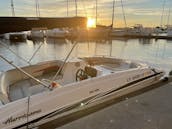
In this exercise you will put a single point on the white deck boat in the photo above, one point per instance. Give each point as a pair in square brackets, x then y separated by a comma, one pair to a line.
[82, 81]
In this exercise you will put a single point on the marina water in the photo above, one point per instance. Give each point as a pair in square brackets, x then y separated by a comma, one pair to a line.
[157, 53]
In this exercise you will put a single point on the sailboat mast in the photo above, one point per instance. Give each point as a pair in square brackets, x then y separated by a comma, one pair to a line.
[37, 8]
[12, 8]
[76, 8]
[123, 14]
[162, 12]
[67, 8]
[96, 12]
[113, 12]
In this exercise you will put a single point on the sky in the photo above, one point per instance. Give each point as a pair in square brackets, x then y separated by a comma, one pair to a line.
[145, 12]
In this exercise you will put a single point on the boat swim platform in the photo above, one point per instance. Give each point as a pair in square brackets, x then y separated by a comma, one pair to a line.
[17, 24]
[150, 107]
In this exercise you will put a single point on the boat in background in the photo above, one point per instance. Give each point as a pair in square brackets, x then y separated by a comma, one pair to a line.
[40, 94]
[57, 33]
[37, 33]
[99, 32]
[159, 30]
[16, 36]
[139, 30]
[118, 32]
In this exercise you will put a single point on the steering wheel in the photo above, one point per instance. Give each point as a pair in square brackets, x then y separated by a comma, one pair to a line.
[81, 75]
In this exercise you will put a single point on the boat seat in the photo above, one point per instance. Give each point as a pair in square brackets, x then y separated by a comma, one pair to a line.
[92, 72]
[3, 90]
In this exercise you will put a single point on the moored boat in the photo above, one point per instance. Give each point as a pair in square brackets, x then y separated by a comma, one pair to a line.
[81, 81]
[57, 33]
[16, 36]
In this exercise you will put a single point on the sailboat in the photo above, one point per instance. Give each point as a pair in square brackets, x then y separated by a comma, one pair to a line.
[100, 31]
[92, 32]
[118, 32]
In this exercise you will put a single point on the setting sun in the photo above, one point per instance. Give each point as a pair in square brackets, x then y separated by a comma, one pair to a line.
[91, 23]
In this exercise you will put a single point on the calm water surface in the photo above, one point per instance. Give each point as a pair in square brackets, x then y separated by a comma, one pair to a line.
[154, 52]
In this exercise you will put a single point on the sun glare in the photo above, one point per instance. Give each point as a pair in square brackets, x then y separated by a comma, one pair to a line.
[91, 23]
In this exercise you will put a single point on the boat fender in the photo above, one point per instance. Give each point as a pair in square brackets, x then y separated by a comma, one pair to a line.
[54, 84]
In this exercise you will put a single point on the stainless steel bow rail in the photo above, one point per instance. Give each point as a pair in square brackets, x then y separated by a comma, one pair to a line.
[24, 72]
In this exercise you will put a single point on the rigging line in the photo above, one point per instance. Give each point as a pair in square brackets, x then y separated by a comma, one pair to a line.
[96, 12]
[61, 67]
[35, 52]
[76, 8]
[162, 12]
[123, 12]
[24, 72]
[113, 13]
[67, 8]
[7, 47]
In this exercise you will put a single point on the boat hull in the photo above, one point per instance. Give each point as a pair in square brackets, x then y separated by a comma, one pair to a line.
[90, 91]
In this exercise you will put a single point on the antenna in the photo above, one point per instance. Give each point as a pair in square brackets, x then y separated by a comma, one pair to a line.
[12, 8]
